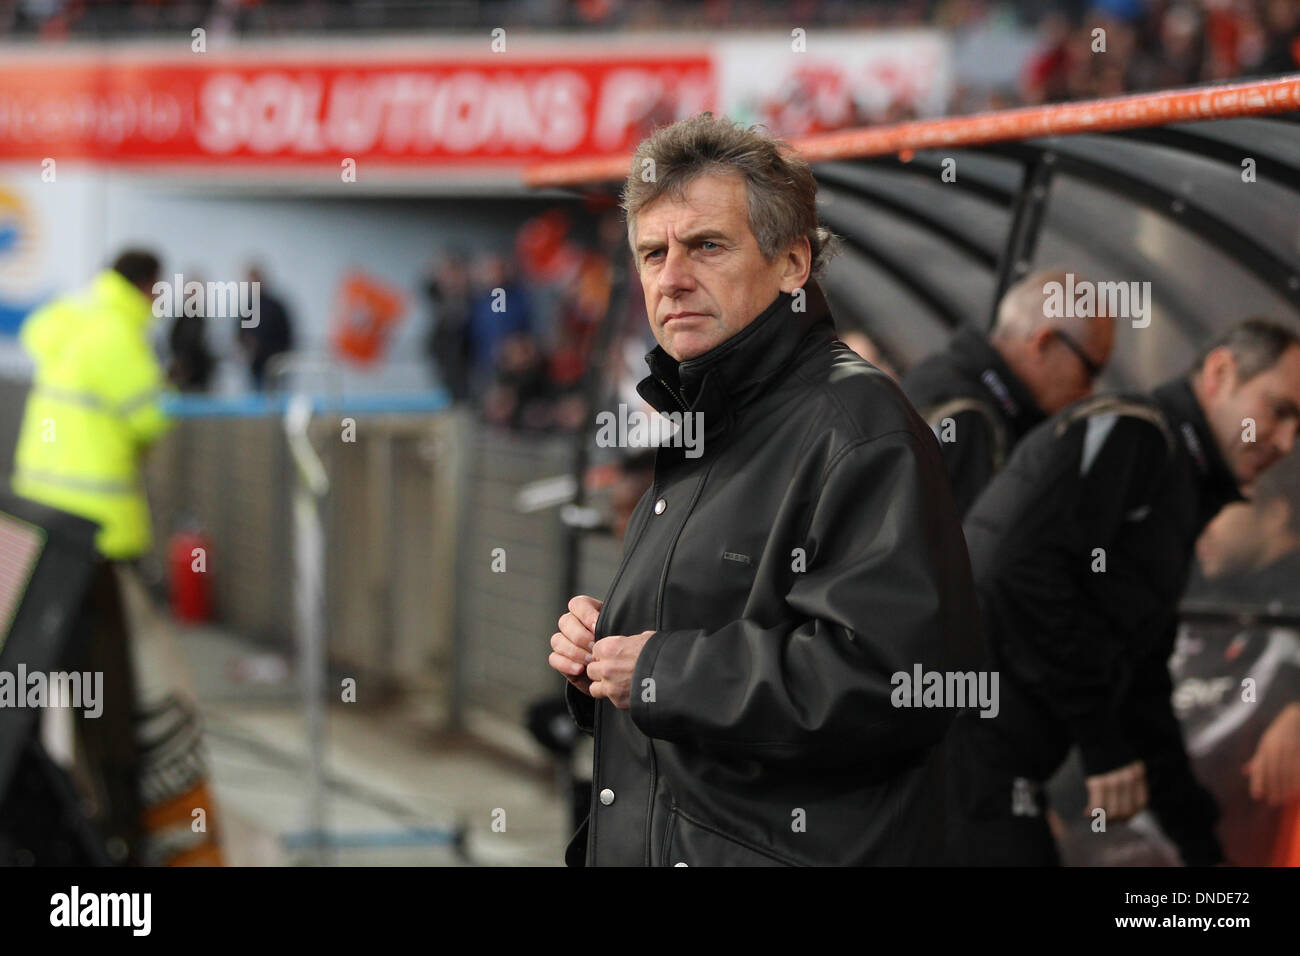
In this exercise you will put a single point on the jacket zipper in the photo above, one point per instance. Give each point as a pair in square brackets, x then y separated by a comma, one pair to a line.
[676, 398]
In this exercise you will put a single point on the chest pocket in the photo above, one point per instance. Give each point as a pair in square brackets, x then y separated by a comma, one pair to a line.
[710, 582]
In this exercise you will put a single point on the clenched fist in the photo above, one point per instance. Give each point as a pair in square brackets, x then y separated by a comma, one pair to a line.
[614, 660]
[1121, 792]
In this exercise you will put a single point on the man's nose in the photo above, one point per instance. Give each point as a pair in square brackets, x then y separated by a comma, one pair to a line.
[675, 276]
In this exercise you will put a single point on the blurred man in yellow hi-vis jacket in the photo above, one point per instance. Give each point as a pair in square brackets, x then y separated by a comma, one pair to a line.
[94, 408]
[94, 405]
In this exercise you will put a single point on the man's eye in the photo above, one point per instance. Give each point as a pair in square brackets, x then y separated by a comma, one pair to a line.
[708, 242]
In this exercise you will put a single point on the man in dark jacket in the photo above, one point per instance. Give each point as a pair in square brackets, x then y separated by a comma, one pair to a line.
[272, 334]
[1081, 548]
[981, 395]
[742, 676]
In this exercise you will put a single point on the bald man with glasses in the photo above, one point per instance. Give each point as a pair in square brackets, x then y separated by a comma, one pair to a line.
[981, 394]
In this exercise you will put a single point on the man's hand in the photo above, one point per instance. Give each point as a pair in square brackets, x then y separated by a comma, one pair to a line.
[611, 670]
[1275, 769]
[571, 645]
[1121, 792]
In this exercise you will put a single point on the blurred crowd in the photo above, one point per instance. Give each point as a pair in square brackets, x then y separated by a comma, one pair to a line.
[1158, 44]
[512, 330]
[189, 359]
[1148, 44]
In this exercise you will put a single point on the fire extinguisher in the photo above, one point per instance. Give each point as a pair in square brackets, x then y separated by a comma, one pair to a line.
[188, 559]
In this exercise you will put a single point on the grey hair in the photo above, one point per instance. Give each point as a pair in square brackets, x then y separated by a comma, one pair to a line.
[1023, 308]
[1256, 345]
[782, 190]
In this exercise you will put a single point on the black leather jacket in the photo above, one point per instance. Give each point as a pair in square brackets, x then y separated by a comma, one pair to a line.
[810, 553]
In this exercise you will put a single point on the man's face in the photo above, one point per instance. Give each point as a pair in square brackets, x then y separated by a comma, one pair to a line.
[1060, 375]
[702, 273]
[1271, 399]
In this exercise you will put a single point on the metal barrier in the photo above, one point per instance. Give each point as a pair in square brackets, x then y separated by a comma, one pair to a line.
[416, 505]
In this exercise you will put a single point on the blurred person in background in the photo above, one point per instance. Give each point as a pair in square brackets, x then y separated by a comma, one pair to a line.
[93, 411]
[1282, 50]
[982, 395]
[521, 395]
[499, 308]
[862, 344]
[270, 335]
[447, 342]
[1245, 740]
[190, 363]
[1236, 689]
[1081, 548]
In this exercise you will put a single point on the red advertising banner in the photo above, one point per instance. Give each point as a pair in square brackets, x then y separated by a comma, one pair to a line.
[462, 111]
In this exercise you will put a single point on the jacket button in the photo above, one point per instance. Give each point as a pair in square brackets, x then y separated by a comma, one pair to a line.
[607, 796]
[660, 505]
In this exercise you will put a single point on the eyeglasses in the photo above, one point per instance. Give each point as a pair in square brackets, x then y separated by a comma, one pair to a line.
[1092, 368]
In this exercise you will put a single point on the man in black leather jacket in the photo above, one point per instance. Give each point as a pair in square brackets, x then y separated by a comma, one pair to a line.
[741, 676]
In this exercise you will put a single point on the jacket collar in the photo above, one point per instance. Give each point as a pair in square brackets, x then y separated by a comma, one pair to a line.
[1217, 483]
[972, 351]
[719, 383]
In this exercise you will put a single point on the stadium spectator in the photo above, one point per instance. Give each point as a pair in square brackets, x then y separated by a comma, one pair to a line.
[447, 340]
[190, 361]
[271, 335]
[500, 307]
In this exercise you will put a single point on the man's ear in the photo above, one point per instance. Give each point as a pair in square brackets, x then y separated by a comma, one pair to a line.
[1039, 341]
[1218, 372]
[798, 266]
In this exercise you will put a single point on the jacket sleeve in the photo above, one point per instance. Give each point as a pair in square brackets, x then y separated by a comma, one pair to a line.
[1186, 810]
[581, 707]
[1077, 648]
[887, 587]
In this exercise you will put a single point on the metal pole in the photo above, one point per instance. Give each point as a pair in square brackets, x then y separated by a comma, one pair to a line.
[310, 486]
[1026, 226]
[1221, 101]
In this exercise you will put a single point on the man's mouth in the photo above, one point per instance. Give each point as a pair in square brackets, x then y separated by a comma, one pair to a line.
[682, 315]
